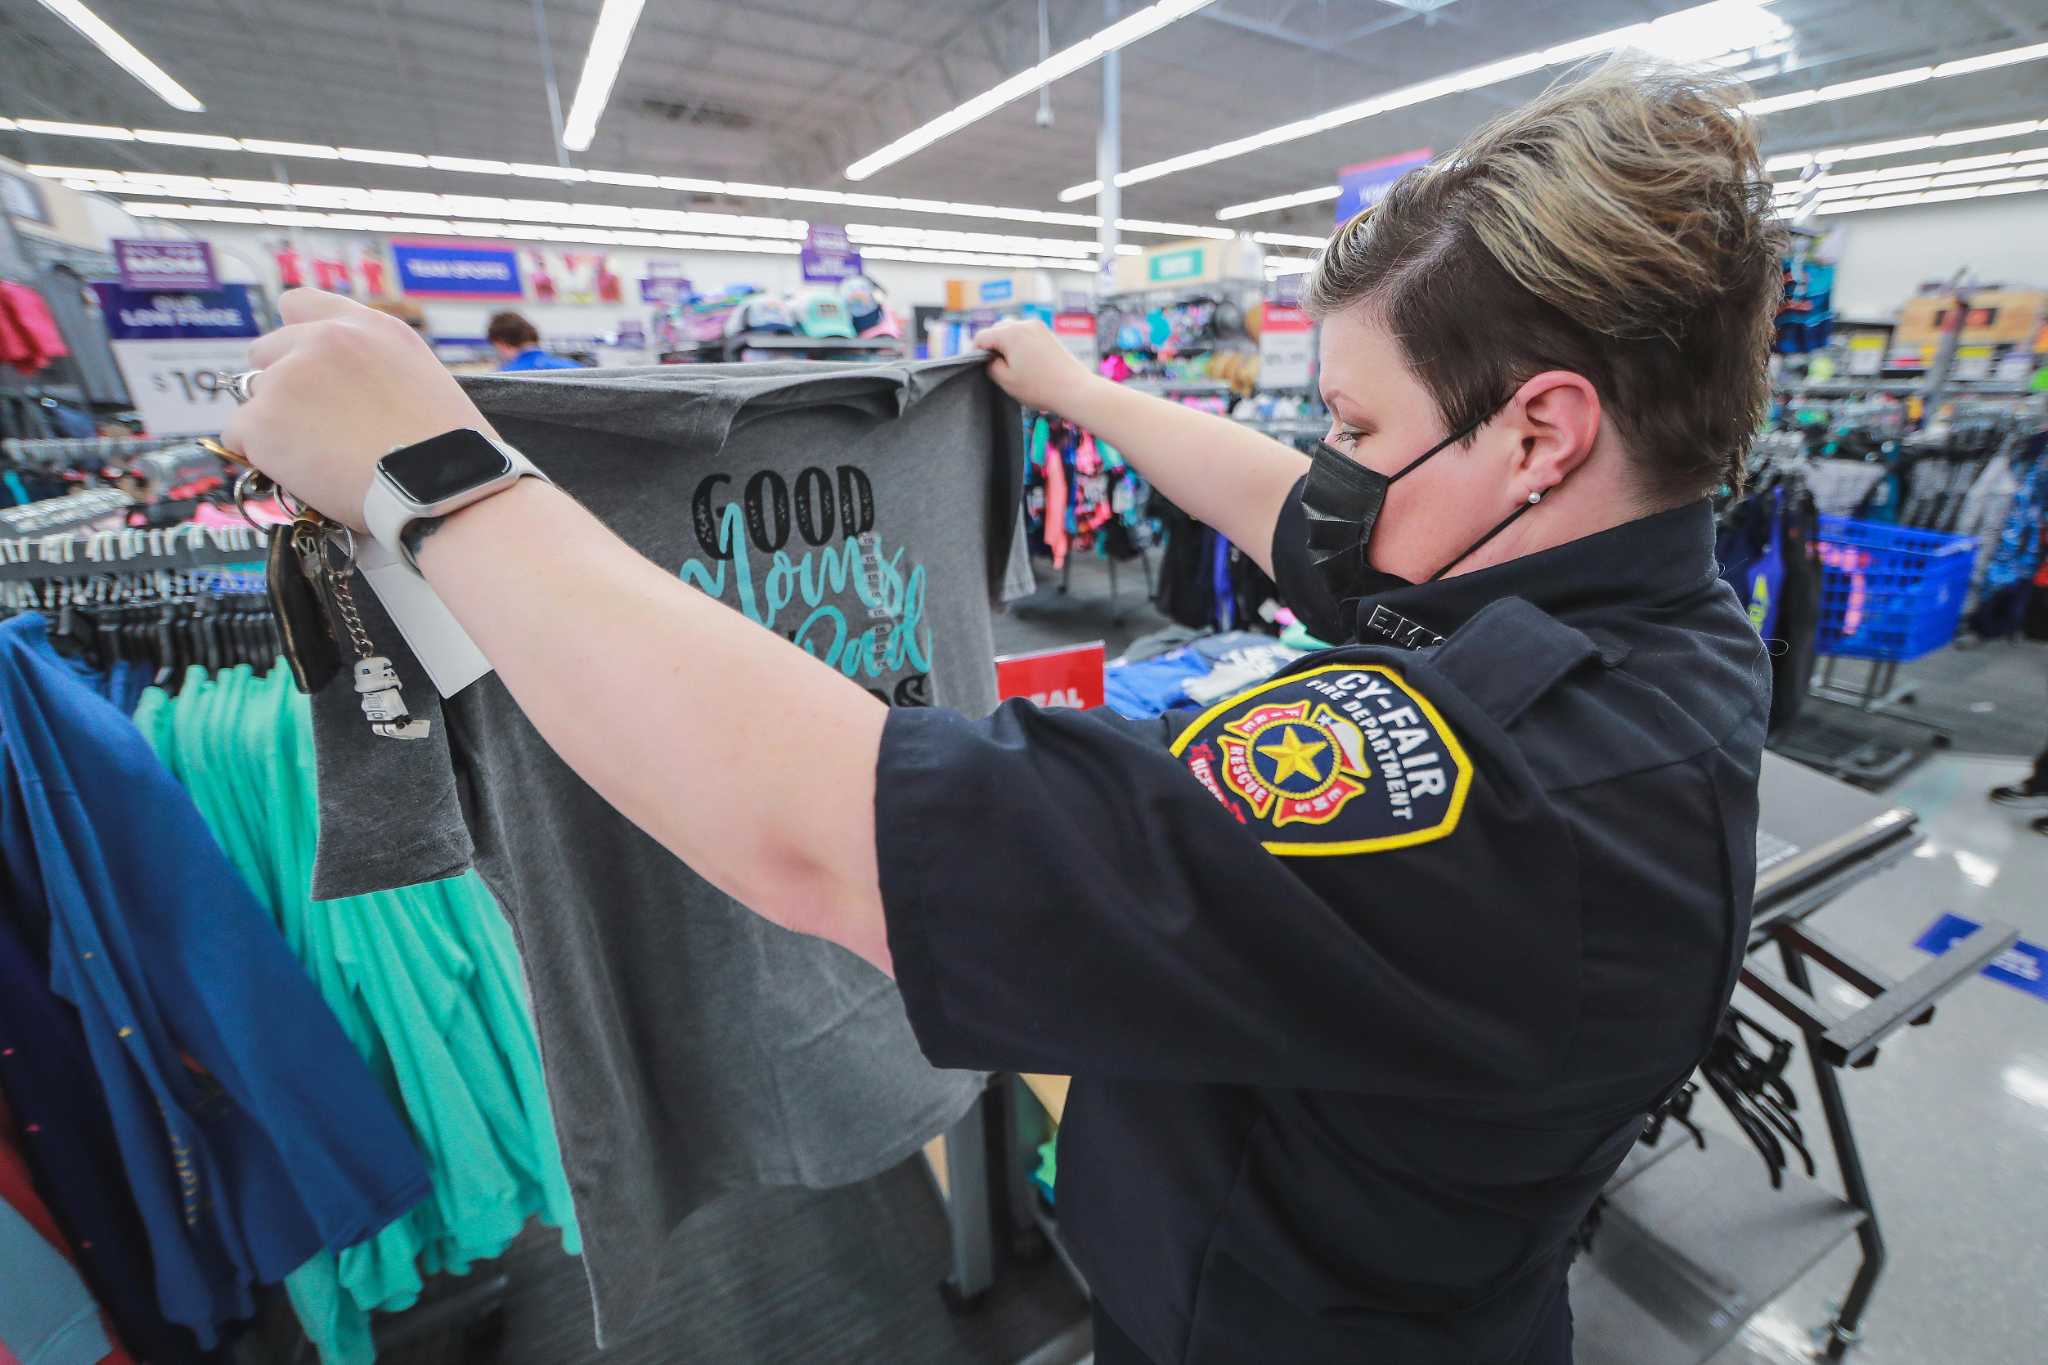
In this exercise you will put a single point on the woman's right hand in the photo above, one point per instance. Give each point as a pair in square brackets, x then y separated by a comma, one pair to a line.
[1031, 365]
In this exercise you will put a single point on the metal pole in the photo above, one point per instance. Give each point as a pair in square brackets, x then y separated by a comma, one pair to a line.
[1109, 143]
[1842, 1332]
[547, 71]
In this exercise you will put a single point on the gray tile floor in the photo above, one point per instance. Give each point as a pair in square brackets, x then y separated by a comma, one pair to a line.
[1952, 1121]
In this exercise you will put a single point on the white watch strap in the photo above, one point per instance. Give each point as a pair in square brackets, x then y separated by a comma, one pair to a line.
[387, 513]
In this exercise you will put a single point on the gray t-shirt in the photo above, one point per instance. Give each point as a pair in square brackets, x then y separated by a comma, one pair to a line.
[691, 1048]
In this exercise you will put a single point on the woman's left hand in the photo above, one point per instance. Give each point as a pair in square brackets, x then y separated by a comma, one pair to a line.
[341, 386]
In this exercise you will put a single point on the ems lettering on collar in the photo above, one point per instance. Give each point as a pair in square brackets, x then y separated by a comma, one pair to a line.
[1347, 758]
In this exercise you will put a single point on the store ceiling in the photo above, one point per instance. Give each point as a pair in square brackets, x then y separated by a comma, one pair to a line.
[789, 91]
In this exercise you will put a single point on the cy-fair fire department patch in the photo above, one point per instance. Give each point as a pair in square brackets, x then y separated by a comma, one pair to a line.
[1346, 758]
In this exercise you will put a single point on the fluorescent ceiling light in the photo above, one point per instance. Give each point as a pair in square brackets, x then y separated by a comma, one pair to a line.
[1796, 99]
[1280, 201]
[1290, 239]
[1937, 196]
[1892, 80]
[456, 207]
[312, 150]
[473, 165]
[125, 54]
[1065, 62]
[532, 172]
[1289, 265]
[1826, 156]
[55, 128]
[600, 69]
[377, 158]
[2010, 57]
[211, 141]
[7, 125]
[1695, 34]
[513, 232]
[680, 184]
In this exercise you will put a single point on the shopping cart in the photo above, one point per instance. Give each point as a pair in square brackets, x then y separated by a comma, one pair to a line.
[1889, 595]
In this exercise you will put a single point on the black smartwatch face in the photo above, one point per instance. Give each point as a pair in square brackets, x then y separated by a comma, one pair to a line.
[444, 466]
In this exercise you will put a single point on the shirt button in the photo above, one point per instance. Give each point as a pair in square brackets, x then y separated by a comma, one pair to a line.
[125, 1031]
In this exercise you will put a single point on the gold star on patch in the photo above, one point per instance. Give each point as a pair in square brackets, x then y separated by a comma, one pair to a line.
[1294, 755]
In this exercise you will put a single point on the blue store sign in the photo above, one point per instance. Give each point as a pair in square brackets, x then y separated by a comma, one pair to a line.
[458, 272]
[1363, 185]
[176, 315]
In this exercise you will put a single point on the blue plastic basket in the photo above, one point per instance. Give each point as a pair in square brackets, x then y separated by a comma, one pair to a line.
[1890, 592]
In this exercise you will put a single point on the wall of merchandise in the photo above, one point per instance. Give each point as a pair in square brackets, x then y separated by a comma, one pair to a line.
[248, 255]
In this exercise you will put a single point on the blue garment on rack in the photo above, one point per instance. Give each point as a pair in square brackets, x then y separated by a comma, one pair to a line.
[1152, 687]
[252, 1134]
[1219, 568]
[67, 1139]
[46, 1315]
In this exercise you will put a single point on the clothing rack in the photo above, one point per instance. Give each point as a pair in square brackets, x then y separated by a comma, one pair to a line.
[52, 516]
[58, 452]
[128, 551]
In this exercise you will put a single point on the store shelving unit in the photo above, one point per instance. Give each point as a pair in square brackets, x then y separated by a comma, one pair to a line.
[799, 347]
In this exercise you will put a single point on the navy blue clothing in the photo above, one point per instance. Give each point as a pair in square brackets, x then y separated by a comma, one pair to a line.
[251, 1133]
[534, 358]
[67, 1139]
[1368, 978]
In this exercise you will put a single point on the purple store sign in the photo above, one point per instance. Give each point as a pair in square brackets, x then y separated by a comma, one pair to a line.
[165, 264]
[827, 255]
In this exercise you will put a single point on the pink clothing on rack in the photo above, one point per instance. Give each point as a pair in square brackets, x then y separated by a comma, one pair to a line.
[268, 511]
[1056, 503]
[29, 338]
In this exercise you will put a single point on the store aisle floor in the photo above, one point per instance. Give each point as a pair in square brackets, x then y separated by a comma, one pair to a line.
[797, 1277]
[1952, 1121]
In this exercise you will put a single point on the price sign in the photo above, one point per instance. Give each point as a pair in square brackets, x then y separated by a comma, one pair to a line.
[170, 348]
[1066, 677]
[1286, 346]
[1076, 331]
[1866, 354]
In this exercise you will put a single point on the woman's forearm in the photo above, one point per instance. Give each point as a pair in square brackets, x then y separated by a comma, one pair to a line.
[746, 757]
[1220, 472]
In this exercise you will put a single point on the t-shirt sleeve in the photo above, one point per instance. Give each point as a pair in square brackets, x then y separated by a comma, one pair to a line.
[1294, 573]
[1346, 878]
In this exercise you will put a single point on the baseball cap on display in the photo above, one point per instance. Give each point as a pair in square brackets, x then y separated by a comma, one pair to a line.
[761, 313]
[822, 313]
[863, 300]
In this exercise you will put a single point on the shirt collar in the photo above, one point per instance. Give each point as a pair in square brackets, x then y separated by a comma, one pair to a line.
[1669, 554]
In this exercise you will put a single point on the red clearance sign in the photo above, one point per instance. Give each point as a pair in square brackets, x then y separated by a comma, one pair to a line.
[1070, 676]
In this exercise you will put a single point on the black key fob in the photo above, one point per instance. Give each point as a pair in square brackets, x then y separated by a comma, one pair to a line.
[300, 607]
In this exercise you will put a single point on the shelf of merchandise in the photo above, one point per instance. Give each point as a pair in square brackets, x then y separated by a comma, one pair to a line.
[1849, 388]
[729, 348]
[1180, 387]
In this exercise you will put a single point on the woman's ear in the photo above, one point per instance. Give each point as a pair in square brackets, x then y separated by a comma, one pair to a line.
[1557, 415]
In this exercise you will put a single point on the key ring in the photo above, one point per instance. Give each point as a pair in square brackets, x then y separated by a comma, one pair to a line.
[240, 385]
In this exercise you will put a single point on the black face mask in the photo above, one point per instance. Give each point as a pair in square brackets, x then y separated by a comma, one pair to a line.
[1341, 502]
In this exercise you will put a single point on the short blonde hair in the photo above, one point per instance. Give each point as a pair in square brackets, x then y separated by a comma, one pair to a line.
[1618, 226]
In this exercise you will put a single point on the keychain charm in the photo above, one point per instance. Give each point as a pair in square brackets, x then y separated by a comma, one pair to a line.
[377, 685]
[383, 703]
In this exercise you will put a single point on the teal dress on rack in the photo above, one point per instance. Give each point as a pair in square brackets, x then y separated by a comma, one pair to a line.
[426, 982]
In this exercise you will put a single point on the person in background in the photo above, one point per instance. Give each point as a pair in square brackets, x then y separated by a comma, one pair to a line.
[518, 345]
[2030, 792]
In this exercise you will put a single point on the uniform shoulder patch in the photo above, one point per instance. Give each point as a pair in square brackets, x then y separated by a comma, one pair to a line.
[1347, 758]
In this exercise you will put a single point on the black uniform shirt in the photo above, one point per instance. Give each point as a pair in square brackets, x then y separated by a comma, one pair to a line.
[1367, 976]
